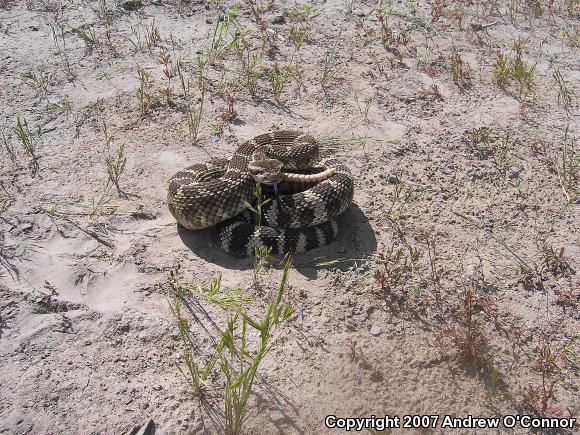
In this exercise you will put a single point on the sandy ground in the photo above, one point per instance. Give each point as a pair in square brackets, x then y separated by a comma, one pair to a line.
[485, 166]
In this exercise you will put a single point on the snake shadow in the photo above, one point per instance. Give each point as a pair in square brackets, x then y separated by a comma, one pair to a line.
[355, 241]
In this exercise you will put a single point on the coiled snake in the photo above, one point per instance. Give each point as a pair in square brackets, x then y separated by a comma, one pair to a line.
[217, 193]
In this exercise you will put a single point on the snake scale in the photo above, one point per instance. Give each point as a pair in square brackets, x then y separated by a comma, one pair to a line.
[217, 194]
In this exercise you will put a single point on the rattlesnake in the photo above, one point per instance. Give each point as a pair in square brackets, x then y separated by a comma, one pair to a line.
[217, 193]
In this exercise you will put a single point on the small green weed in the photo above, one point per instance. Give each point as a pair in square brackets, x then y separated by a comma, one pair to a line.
[241, 348]
[7, 145]
[515, 68]
[194, 114]
[60, 107]
[143, 91]
[458, 69]
[39, 81]
[502, 71]
[518, 186]
[194, 373]
[480, 140]
[538, 399]
[394, 269]
[145, 35]
[402, 199]
[115, 166]
[564, 92]
[571, 35]
[58, 36]
[503, 155]
[27, 138]
[567, 163]
[87, 36]
[238, 363]
[364, 110]
[329, 66]
[279, 78]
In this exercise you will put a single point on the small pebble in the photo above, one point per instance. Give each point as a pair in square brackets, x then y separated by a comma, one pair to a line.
[278, 19]
[131, 5]
[515, 170]
[22, 228]
[375, 330]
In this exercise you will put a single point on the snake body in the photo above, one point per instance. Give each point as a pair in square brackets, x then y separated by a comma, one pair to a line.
[217, 194]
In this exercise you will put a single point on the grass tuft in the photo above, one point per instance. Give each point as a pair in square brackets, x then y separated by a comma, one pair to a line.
[39, 81]
[27, 138]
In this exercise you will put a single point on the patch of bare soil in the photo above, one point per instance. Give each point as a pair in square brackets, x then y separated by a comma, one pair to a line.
[452, 288]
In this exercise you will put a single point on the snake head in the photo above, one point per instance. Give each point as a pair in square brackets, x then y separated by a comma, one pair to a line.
[264, 169]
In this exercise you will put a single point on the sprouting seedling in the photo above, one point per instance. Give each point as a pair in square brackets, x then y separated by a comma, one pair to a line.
[238, 363]
[194, 114]
[261, 252]
[226, 299]
[260, 203]
[88, 37]
[297, 36]
[364, 111]
[329, 66]
[495, 378]
[515, 68]
[458, 69]
[567, 164]
[39, 81]
[58, 35]
[401, 200]
[538, 399]
[513, 9]
[106, 134]
[244, 343]
[99, 205]
[249, 60]
[518, 186]
[61, 107]
[194, 373]
[28, 139]
[219, 45]
[480, 139]
[521, 71]
[168, 71]
[143, 96]
[503, 153]
[279, 78]
[183, 80]
[502, 70]
[564, 91]
[301, 15]
[7, 145]
[115, 165]
[145, 35]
